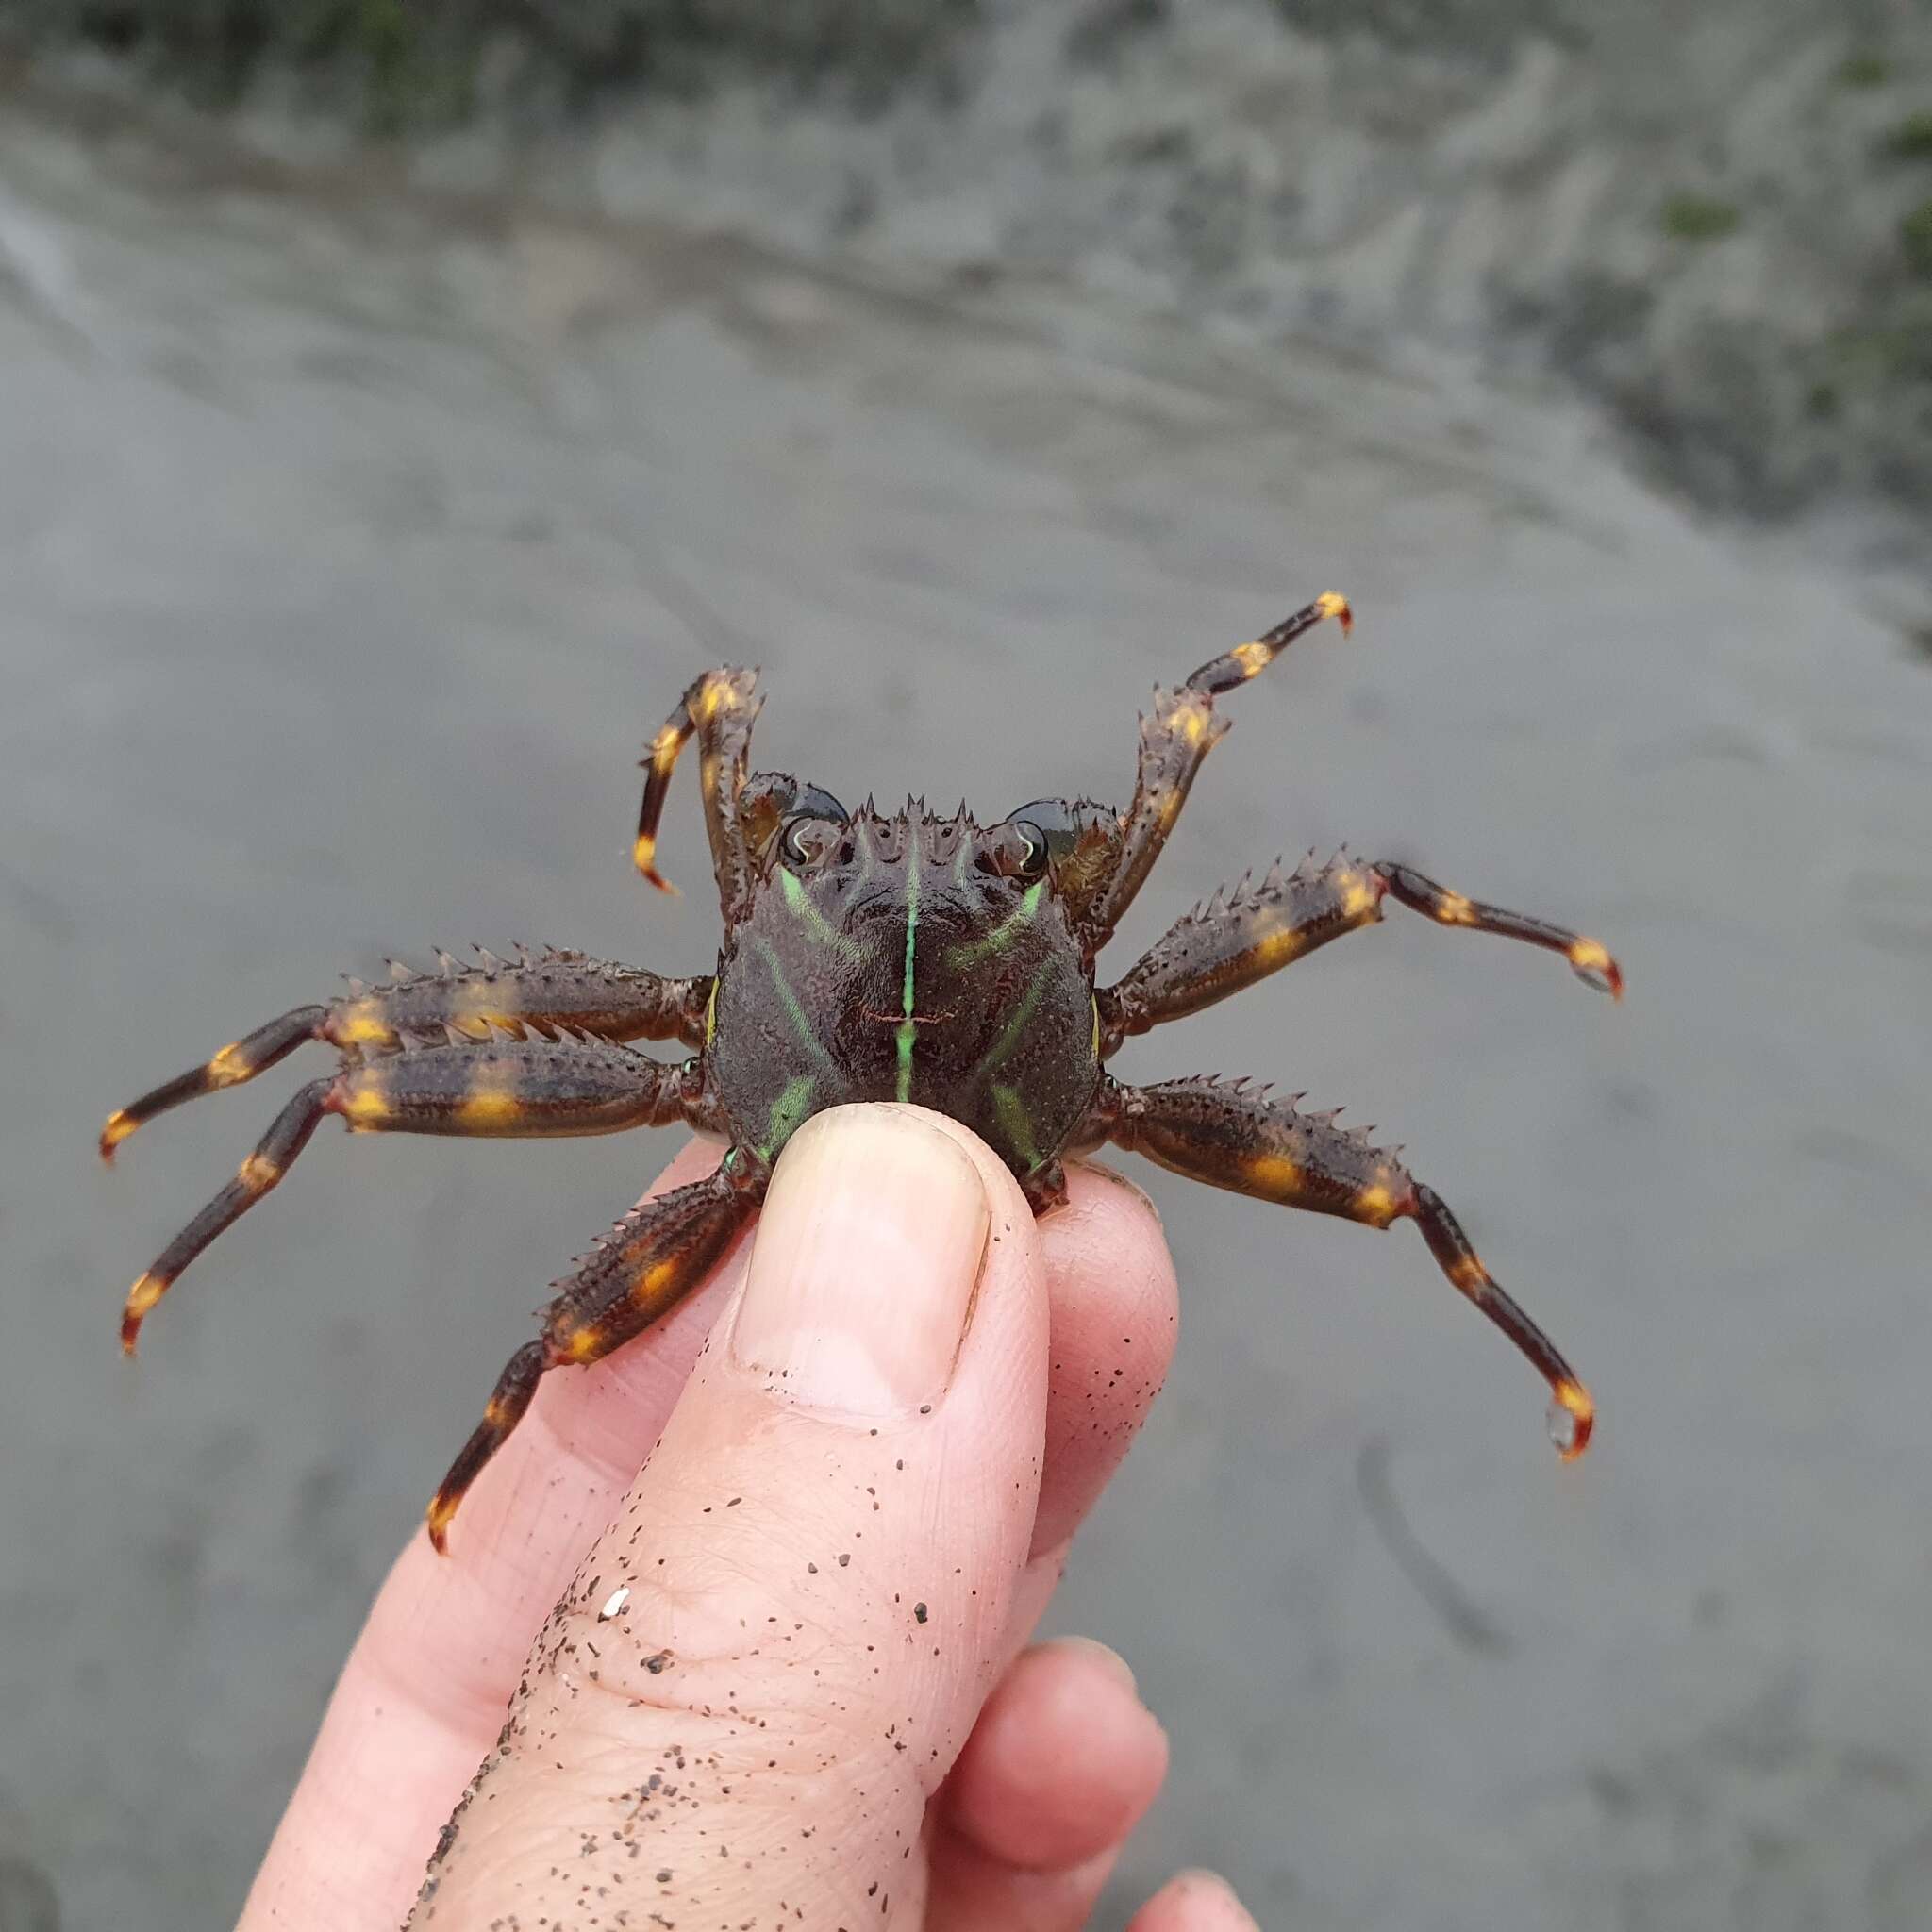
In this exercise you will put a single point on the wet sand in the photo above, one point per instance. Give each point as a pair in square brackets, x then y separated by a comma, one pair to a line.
[350, 547]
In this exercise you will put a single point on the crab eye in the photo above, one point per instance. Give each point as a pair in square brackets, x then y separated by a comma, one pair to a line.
[802, 840]
[1018, 849]
[815, 802]
[1032, 851]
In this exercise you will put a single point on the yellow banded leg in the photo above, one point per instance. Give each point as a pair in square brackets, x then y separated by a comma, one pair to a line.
[1249, 660]
[505, 1409]
[653, 1259]
[512, 1089]
[520, 1088]
[1233, 1136]
[1572, 1414]
[1243, 934]
[717, 709]
[241, 1060]
[1175, 736]
[1589, 959]
[256, 1176]
[540, 993]
[1251, 929]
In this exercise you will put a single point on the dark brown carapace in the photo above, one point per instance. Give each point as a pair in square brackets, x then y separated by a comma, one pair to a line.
[869, 958]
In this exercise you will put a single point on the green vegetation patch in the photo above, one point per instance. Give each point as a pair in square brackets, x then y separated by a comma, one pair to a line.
[414, 62]
[1911, 140]
[1864, 70]
[1915, 238]
[1690, 217]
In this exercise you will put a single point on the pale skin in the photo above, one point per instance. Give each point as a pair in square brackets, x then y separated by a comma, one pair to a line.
[786, 1671]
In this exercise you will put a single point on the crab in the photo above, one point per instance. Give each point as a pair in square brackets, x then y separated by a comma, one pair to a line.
[866, 956]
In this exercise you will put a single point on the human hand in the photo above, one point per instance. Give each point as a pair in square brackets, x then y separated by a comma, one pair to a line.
[787, 1678]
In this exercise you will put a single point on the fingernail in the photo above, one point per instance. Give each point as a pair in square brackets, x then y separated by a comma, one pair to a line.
[1103, 1656]
[1209, 1889]
[1123, 1182]
[864, 1264]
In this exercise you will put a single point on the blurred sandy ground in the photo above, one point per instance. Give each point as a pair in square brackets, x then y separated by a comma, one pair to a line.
[351, 542]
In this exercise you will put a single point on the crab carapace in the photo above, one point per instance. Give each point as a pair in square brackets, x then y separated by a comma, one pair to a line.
[868, 957]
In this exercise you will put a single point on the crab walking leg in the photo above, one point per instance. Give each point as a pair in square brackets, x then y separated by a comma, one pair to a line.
[1176, 736]
[718, 707]
[252, 1179]
[1230, 1135]
[650, 1261]
[508, 1089]
[241, 1060]
[540, 993]
[1249, 930]
[1589, 959]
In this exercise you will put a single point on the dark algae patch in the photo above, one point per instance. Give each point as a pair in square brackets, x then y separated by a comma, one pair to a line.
[1698, 217]
[1911, 140]
[409, 64]
[1915, 240]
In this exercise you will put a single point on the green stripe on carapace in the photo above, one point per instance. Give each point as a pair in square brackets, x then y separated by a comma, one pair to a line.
[1016, 1123]
[906, 1030]
[801, 902]
[801, 1020]
[788, 1112]
[1014, 1033]
[972, 951]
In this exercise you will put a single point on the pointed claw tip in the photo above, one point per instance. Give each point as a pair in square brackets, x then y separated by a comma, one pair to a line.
[1573, 1419]
[117, 1130]
[1592, 963]
[437, 1522]
[645, 857]
[140, 1299]
[1333, 603]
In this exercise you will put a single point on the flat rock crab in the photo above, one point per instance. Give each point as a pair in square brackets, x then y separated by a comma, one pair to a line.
[868, 957]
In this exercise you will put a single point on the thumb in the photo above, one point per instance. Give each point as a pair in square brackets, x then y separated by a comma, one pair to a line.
[771, 1660]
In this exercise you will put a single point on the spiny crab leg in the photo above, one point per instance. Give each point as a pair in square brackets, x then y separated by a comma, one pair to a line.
[514, 1089]
[1231, 1135]
[1175, 736]
[545, 992]
[1248, 930]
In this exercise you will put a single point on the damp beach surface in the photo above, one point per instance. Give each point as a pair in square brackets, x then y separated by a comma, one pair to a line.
[353, 543]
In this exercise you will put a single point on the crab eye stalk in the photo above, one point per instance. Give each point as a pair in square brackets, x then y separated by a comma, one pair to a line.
[1032, 846]
[1077, 839]
[815, 802]
[802, 840]
[1018, 849]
